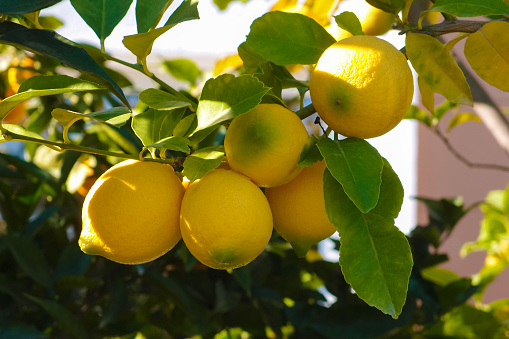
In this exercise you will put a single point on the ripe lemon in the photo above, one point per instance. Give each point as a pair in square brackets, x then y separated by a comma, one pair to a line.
[225, 219]
[298, 209]
[131, 213]
[265, 144]
[374, 21]
[361, 87]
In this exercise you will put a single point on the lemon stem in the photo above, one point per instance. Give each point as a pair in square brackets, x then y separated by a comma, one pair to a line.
[306, 111]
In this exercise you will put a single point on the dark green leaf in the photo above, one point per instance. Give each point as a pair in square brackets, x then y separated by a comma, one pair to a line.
[390, 6]
[72, 262]
[349, 22]
[357, 166]
[148, 11]
[154, 125]
[51, 44]
[102, 15]
[64, 317]
[117, 304]
[24, 6]
[160, 100]
[471, 8]
[288, 38]
[202, 161]
[31, 260]
[226, 97]
[20, 331]
[375, 256]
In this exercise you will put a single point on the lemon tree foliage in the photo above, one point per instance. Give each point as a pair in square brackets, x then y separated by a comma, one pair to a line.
[127, 215]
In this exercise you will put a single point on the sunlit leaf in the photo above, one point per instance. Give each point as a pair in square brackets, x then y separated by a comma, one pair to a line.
[148, 11]
[50, 44]
[451, 43]
[427, 95]
[161, 100]
[226, 97]
[471, 8]
[349, 22]
[227, 63]
[202, 161]
[288, 38]
[25, 6]
[462, 118]
[173, 143]
[419, 115]
[310, 153]
[188, 10]
[438, 68]
[487, 51]
[375, 256]
[357, 166]
[102, 15]
[183, 69]
[439, 276]
[153, 125]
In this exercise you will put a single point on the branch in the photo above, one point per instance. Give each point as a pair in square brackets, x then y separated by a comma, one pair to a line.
[445, 27]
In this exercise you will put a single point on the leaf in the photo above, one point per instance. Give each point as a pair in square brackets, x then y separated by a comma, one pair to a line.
[419, 115]
[310, 153]
[52, 45]
[357, 166]
[440, 276]
[102, 15]
[20, 331]
[375, 256]
[349, 22]
[65, 318]
[487, 51]
[462, 118]
[148, 11]
[226, 97]
[153, 125]
[115, 116]
[31, 260]
[183, 69]
[202, 161]
[390, 6]
[141, 44]
[427, 95]
[438, 68]
[188, 10]
[25, 6]
[15, 130]
[470, 8]
[173, 143]
[288, 38]
[160, 100]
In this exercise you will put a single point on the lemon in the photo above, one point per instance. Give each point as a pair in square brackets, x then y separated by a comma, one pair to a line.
[265, 144]
[225, 219]
[131, 213]
[361, 87]
[374, 21]
[298, 209]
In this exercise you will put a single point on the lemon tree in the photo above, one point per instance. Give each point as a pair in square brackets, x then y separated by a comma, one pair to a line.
[254, 166]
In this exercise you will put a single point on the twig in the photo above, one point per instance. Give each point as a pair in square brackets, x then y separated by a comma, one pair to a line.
[445, 27]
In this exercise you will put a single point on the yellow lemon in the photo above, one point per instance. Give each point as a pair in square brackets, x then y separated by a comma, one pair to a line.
[131, 213]
[361, 87]
[265, 144]
[374, 21]
[298, 209]
[225, 219]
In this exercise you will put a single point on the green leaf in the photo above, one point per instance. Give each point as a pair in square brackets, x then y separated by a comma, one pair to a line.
[183, 69]
[15, 130]
[64, 317]
[173, 143]
[288, 38]
[375, 256]
[470, 8]
[390, 6]
[349, 22]
[52, 45]
[25, 6]
[160, 100]
[102, 15]
[357, 166]
[188, 10]
[141, 44]
[43, 85]
[487, 51]
[153, 125]
[31, 260]
[438, 68]
[310, 153]
[115, 116]
[148, 11]
[440, 276]
[427, 95]
[419, 115]
[226, 97]
[202, 161]
[462, 118]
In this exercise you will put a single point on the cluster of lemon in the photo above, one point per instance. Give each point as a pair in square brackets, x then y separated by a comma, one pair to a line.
[136, 211]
